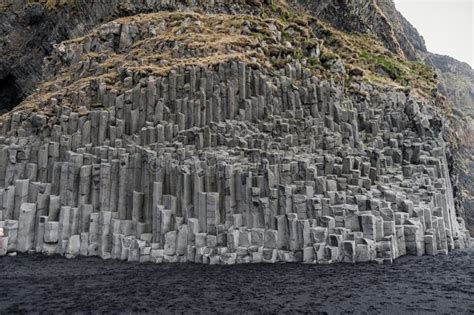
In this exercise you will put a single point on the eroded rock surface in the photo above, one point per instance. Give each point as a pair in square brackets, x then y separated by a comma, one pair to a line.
[30, 28]
[456, 79]
[173, 137]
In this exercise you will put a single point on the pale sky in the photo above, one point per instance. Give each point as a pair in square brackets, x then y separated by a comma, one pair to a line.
[446, 25]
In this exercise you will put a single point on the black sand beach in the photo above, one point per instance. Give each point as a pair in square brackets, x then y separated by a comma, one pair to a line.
[442, 284]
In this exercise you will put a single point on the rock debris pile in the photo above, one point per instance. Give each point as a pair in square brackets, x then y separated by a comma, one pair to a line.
[142, 145]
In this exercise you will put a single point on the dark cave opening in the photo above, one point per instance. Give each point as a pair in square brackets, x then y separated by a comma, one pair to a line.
[10, 94]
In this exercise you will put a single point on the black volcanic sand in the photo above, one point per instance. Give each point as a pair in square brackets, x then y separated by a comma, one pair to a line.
[443, 284]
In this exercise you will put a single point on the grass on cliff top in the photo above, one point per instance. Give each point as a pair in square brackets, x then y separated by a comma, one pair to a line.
[217, 38]
[357, 51]
[378, 63]
[249, 38]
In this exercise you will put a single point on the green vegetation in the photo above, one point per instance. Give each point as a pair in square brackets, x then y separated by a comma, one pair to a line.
[356, 50]
[286, 36]
[386, 64]
[378, 64]
[327, 55]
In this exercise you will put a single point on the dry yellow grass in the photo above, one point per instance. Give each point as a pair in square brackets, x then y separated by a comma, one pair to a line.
[380, 65]
[218, 38]
[216, 35]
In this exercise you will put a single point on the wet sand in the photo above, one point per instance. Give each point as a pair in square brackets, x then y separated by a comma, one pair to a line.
[443, 284]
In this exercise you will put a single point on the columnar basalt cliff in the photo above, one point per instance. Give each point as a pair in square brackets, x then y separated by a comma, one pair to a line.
[29, 28]
[381, 19]
[457, 84]
[223, 134]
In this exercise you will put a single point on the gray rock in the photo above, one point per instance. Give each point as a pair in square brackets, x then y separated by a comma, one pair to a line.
[73, 247]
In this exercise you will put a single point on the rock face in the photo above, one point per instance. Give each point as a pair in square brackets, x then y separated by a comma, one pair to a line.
[381, 19]
[410, 41]
[377, 17]
[29, 28]
[457, 83]
[222, 139]
[360, 16]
